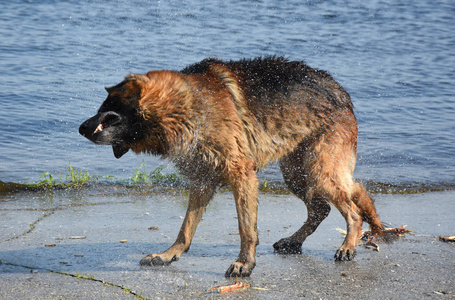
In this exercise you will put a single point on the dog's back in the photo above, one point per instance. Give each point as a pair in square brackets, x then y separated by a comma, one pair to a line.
[280, 103]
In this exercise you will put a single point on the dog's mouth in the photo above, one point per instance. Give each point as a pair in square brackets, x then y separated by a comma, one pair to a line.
[109, 119]
[99, 128]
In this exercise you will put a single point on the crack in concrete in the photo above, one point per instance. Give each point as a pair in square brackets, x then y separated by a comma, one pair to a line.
[64, 206]
[79, 276]
[49, 211]
[32, 227]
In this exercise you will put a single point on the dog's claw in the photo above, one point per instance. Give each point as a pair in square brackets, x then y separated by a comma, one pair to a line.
[239, 269]
[344, 254]
[154, 260]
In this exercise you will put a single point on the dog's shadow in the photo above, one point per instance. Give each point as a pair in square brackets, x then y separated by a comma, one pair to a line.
[88, 258]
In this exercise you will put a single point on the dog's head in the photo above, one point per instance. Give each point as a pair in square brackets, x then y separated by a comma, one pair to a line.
[118, 121]
[143, 113]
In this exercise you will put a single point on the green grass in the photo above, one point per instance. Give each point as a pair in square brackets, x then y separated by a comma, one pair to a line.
[76, 178]
[156, 176]
[140, 174]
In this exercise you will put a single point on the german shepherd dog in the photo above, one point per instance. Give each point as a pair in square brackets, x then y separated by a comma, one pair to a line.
[220, 122]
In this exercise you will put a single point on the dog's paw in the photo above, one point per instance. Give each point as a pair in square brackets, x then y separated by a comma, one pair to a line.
[288, 246]
[344, 254]
[156, 260]
[240, 269]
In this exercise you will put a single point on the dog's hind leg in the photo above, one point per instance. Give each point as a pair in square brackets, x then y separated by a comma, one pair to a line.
[319, 171]
[318, 210]
[295, 176]
[331, 168]
[200, 195]
[349, 211]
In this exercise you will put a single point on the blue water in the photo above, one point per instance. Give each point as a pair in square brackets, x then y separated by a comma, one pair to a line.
[395, 58]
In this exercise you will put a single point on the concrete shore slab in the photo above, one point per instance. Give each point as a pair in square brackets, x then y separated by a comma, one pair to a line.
[87, 245]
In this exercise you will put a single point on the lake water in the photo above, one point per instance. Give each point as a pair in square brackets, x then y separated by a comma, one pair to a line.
[395, 58]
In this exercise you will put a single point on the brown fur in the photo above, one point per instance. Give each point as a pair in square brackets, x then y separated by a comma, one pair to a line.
[220, 122]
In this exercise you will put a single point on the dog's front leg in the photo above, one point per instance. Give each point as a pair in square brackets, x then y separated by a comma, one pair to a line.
[245, 189]
[200, 195]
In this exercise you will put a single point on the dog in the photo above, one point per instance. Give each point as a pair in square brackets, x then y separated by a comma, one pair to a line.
[220, 122]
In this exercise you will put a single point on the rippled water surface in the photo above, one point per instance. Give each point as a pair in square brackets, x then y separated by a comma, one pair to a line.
[395, 58]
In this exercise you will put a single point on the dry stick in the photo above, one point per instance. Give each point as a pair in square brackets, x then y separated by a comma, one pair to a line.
[447, 238]
[230, 287]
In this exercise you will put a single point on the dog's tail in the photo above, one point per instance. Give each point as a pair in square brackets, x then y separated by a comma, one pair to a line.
[367, 210]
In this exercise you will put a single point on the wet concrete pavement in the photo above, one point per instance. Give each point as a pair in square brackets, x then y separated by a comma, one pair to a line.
[87, 245]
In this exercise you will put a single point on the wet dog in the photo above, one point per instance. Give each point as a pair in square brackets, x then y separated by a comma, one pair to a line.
[220, 122]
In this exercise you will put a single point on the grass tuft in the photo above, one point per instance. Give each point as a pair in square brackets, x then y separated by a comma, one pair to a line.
[155, 177]
[75, 179]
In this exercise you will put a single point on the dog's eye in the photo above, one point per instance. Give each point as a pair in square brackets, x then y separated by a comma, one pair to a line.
[110, 118]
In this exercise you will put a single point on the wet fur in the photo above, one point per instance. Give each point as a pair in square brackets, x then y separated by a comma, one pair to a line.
[220, 122]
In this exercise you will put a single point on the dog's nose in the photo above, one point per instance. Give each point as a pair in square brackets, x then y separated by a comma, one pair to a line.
[83, 128]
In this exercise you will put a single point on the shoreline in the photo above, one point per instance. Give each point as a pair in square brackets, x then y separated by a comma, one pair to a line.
[165, 186]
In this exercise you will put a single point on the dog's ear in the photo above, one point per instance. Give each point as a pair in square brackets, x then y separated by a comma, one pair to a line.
[129, 89]
[117, 87]
[119, 149]
[122, 85]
